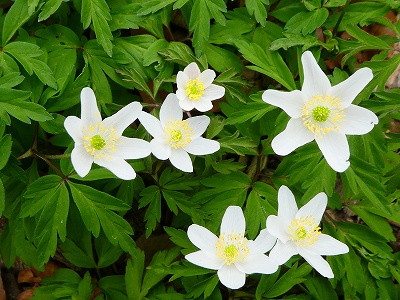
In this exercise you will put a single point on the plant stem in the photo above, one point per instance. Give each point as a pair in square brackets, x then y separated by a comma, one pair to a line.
[335, 29]
[49, 162]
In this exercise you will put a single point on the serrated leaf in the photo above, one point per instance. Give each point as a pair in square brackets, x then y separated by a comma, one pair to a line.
[200, 25]
[153, 6]
[306, 22]
[48, 9]
[238, 145]
[258, 9]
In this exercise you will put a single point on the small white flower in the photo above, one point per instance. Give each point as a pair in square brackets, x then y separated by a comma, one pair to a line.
[195, 89]
[231, 253]
[100, 141]
[298, 232]
[174, 138]
[322, 112]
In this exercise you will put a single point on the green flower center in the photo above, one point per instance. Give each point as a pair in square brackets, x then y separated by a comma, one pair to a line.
[320, 113]
[178, 133]
[304, 231]
[194, 89]
[97, 142]
[176, 136]
[231, 253]
[232, 248]
[301, 233]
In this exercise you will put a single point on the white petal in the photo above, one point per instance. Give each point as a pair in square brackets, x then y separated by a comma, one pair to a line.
[315, 207]
[192, 70]
[335, 149]
[291, 102]
[160, 149]
[315, 81]
[207, 77]
[294, 136]
[263, 243]
[73, 125]
[181, 94]
[199, 125]
[205, 260]
[231, 277]
[287, 206]
[202, 104]
[152, 125]
[170, 109]
[89, 110]
[276, 228]
[124, 117]
[202, 238]
[186, 104]
[180, 159]
[233, 221]
[281, 252]
[347, 90]
[182, 79]
[317, 262]
[359, 120]
[257, 263]
[202, 146]
[327, 245]
[213, 92]
[132, 148]
[118, 167]
[81, 160]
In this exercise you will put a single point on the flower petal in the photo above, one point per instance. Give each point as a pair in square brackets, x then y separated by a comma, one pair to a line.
[192, 70]
[124, 117]
[202, 146]
[233, 220]
[276, 228]
[118, 167]
[198, 124]
[207, 77]
[181, 94]
[257, 263]
[327, 245]
[132, 148]
[152, 125]
[186, 104]
[182, 79]
[202, 238]
[81, 160]
[291, 102]
[205, 260]
[213, 92]
[347, 90]
[180, 159]
[170, 109]
[315, 207]
[281, 252]
[317, 262]
[73, 125]
[202, 105]
[359, 120]
[263, 243]
[287, 206]
[315, 81]
[294, 136]
[160, 149]
[335, 149]
[89, 110]
[231, 277]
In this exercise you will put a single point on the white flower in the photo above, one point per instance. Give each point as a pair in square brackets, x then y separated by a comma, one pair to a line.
[322, 112]
[231, 253]
[298, 232]
[195, 89]
[174, 138]
[100, 141]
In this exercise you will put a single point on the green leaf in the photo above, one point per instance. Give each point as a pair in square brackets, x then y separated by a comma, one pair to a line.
[48, 9]
[5, 150]
[221, 59]
[151, 196]
[134, 275]
[200, 25]
[153, 6]
[258, 9]
[77, 256]
[107, 254]
[2, 197]
[238, 145]
[306, 22]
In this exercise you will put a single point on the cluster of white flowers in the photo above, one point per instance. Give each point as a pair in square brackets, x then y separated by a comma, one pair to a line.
[293, 231]
[101, 141]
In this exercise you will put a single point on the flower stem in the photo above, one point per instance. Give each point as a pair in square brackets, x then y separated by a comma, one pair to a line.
[49, 162]
[335, 29]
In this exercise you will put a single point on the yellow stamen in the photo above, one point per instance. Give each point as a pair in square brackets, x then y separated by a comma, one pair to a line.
[178, 133]
[194, 89]
[232, 248]
[304, 231]
[99, 141]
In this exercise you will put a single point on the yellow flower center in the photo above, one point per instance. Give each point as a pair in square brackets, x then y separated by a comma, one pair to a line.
[323, 114]
[178, 133]
[304, 231]
[99, 141]
[232, 248]
[194, 89]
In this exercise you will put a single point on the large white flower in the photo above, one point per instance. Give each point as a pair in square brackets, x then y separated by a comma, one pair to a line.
[100, 141]
[231, 253]
[195, 89]
[322, 112]
[298, 232]
[174, 138]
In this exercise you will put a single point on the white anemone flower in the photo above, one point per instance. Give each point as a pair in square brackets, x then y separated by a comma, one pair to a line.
[195, 88]
[231, 253]
[298, 232]
[174, 138]
[323, 113]
[101, 141]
